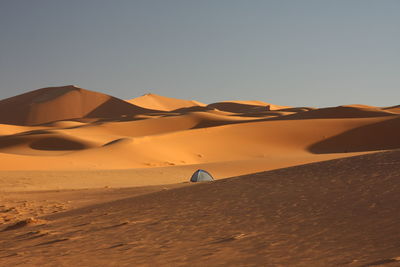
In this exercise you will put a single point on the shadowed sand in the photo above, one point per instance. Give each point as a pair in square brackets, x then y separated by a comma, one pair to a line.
[336, 213]
[69, 155]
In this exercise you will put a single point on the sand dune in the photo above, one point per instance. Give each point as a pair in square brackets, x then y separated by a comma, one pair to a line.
[62, 103]
[375, 136]
[88, 146]
[162, 103]
[41, 143]
[347, 111]
[209, 136]
[394, 109]
[149, 147]
[310, 215]
[245, 106]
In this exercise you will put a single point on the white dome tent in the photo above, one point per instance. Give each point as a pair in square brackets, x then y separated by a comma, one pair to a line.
[201, 176]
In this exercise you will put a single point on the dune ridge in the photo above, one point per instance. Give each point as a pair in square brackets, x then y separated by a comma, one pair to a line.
[63, 103]
[163, 103]
[240, 106]
[89, 179]
[69, 128]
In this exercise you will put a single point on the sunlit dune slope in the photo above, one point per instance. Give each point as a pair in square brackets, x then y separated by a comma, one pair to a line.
[394, 109]
[63, 103]
[88, 147]
[123, 145]
[335, 213]
[163, 103]
[79, 130]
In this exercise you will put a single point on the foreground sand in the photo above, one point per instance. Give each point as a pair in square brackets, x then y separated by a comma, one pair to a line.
[87, 179]
[336, 213]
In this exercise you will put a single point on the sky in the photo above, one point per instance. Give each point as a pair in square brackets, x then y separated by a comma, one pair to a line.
[287, 52]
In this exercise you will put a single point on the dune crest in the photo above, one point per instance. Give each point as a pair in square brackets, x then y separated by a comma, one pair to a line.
[394, 109]
[70, 128]
[89, 179]
[238, 106]
[163, 103]
[63, 103]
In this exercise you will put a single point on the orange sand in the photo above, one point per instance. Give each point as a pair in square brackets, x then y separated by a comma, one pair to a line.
[83, 143]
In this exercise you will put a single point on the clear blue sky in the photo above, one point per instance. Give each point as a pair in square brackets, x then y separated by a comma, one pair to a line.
[302, 53]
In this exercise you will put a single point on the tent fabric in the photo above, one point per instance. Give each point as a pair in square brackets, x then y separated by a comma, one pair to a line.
[201, 176]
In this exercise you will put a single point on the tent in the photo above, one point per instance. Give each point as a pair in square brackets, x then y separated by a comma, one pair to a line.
[201, 176]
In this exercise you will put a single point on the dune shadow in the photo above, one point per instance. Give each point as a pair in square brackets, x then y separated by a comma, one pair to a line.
[209, 124]
[6, 142]
[114, 108]
[237, 107]
[34, 132]
[310, 113]
[19, 138]
[116, 141]
[380, 262]
[378, 136]
[340, 112]
[190, 109]
[296, 110]
[56, 144]
[261, 114]
[36, 140]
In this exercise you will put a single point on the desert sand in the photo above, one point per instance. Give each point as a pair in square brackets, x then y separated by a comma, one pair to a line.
[88, 179]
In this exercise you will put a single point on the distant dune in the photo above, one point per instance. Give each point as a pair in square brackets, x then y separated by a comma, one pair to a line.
[394, 109]
[245, 106]
[63, 148]
[69, 128]
[63, 103]
[162, 103]
[349, 111]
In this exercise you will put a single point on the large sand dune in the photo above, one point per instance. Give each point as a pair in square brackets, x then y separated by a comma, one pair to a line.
[79, 142]
[76, 129]
[63, 103]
